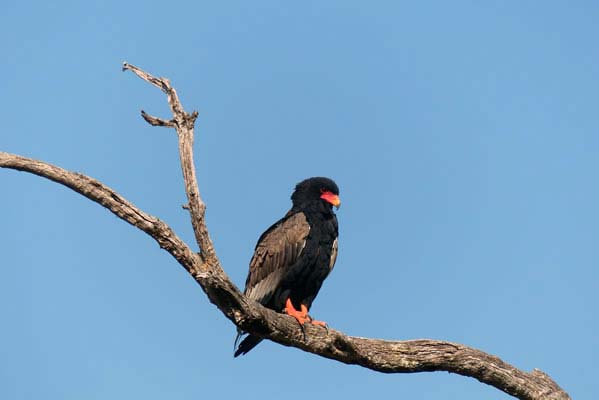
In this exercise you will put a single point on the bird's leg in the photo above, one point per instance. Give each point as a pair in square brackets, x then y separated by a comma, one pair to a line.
[302, 316]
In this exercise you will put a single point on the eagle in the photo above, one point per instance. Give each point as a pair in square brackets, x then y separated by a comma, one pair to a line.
[294, 256]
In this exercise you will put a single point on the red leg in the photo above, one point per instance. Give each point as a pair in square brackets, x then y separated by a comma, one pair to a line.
[301, 315]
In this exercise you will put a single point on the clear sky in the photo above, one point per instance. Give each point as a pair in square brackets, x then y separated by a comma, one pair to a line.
[464, 136]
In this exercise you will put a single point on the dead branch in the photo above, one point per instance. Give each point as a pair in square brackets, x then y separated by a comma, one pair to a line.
[184, 123]
[380, 355]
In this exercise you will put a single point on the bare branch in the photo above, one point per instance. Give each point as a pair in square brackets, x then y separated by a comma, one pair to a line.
[114, 202]
[379, 355]
[184, 123]
[155, 121]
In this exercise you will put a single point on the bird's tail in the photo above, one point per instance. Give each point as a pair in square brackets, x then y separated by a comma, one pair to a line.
[246, 344]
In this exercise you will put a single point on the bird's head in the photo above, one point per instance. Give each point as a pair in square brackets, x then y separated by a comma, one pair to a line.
[316, 192]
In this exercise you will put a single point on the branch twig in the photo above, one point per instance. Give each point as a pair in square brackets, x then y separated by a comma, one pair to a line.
[184, 123]
[155, 121]
[379, 355]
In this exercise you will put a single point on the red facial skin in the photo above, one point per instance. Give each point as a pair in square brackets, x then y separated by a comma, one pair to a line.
[331, 198]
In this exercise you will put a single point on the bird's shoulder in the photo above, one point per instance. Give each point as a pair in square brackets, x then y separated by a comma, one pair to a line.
[278, 249]
[284, 238]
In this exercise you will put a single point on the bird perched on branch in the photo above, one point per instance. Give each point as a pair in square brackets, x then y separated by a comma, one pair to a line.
[295, 255]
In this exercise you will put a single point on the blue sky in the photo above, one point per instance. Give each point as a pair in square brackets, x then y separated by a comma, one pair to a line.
[464, 137]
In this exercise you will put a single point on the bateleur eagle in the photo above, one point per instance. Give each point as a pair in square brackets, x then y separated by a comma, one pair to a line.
[294, 256]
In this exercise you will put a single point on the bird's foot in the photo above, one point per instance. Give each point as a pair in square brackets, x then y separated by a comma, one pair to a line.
[302, 315]
[319, 323]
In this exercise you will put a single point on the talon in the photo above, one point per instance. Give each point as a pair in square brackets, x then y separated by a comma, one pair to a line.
[320, 323]
[303, 332]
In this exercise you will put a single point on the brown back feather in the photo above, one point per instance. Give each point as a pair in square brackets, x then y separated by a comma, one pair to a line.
[276, 252]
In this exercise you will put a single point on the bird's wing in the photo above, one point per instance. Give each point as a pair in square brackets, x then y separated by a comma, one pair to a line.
[278, 249]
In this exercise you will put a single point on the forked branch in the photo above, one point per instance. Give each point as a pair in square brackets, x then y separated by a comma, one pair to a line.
[184, 123]
[379, 355]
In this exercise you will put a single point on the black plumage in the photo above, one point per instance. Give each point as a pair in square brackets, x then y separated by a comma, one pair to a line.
[294, 256]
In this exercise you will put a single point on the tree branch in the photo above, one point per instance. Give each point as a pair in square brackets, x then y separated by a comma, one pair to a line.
[184, 123]
[379, 355]
[114, 202]
[155, 121]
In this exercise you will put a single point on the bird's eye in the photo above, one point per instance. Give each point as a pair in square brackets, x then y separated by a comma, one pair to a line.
[323, 190]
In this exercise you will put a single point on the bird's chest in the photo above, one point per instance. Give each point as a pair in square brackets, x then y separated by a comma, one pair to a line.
[319, 245]
[305, 278]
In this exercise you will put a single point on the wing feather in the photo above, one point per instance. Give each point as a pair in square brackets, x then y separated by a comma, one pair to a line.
[278, 249]
[333, 254]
